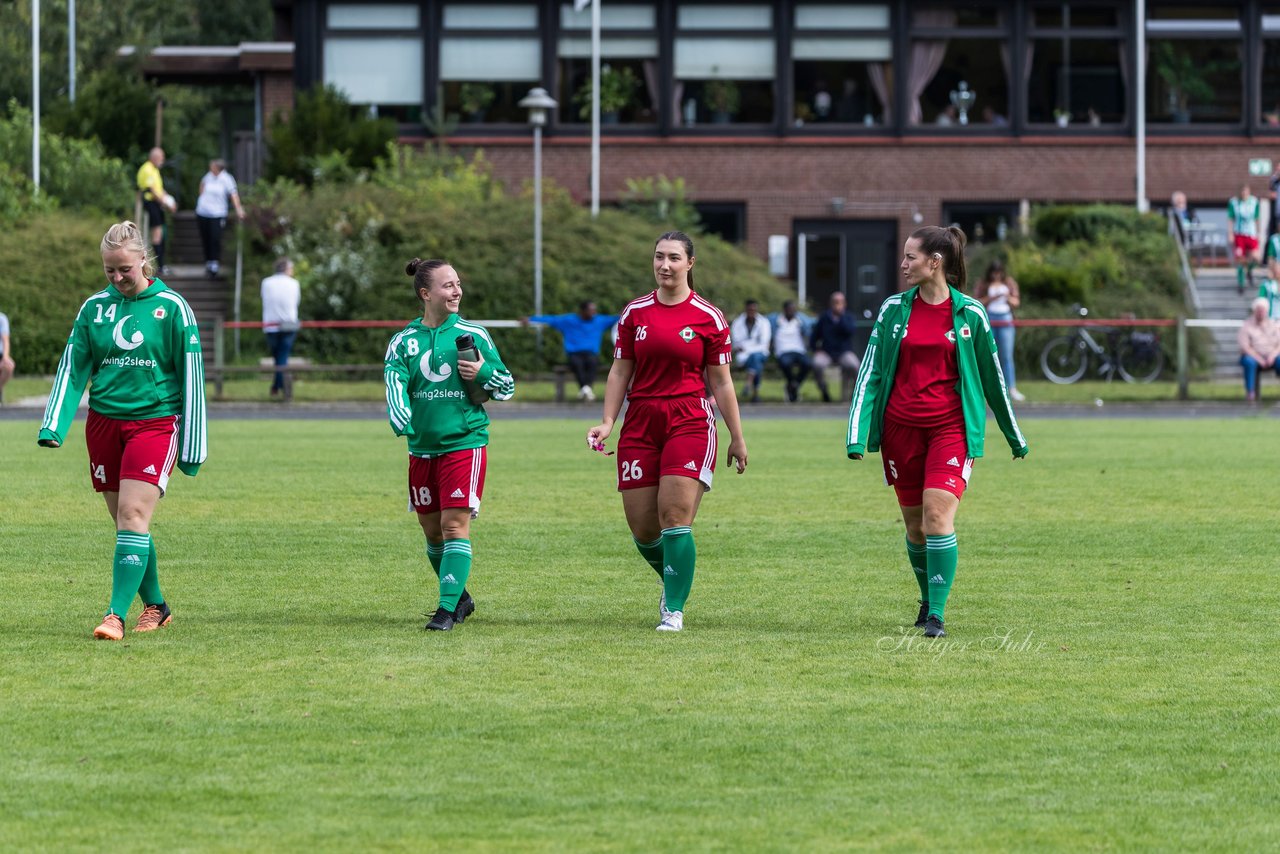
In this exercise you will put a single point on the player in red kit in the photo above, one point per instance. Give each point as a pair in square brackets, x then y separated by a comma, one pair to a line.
[672, 343]
[921, 399]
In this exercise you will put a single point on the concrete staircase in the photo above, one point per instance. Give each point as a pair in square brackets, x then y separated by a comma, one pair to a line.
[1220, 300]
[210, 298]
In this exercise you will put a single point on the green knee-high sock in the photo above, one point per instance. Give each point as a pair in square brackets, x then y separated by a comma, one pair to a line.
[942, 558]
[1240, 276]
[435, 551]
[917, 555]
[679, 556]
[652, 553]
[455, 566]
[149, 589]
[130, 564]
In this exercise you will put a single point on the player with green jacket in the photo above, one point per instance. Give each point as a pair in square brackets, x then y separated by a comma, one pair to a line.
[138, 343]
[436, 385]
[931, 370]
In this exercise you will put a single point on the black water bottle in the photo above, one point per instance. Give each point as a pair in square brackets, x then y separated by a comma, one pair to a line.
[467, 352]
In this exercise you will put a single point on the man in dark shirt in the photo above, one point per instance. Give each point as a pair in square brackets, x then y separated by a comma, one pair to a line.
[832, 343]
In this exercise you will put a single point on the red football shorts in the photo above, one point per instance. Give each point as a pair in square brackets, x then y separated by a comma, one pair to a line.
[130, 450]
[455, 479]
[1245, 245]
[920, 458]
[667, 436]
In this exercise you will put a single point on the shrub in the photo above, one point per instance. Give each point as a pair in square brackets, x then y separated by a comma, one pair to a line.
[42, 300]
[350, 243]
[323, 122]
[74, 173]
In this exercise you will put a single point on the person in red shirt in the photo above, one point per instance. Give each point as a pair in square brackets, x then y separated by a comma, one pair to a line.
[672, 344]
[936, 357]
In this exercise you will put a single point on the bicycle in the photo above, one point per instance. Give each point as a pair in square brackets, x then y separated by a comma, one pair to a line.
[1136, 357]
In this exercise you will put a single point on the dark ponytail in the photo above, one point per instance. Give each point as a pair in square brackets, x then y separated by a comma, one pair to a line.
[422, 272]
[948, 243]
[683, 239]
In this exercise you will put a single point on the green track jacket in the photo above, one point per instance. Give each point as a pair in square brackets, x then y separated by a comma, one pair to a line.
[981, 382]
[143, 355]
[427, 399]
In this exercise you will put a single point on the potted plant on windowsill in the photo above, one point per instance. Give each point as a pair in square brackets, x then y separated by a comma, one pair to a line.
[722, 98]
[1062, 117]
[1184, 78]
[474, 100]
[617, 90]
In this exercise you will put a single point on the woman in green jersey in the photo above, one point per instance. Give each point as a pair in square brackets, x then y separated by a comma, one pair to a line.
[137, 342]
[436, 370]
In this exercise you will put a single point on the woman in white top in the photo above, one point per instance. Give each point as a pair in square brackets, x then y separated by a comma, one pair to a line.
[217, 188]
[999, 293]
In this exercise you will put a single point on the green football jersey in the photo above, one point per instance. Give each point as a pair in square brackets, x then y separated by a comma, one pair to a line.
[427, 399]
[142, 355]
[1243, 215]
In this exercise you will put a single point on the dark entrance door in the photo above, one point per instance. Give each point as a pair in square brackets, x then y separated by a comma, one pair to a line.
[857, 257]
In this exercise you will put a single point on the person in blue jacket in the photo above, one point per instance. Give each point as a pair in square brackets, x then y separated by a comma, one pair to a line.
[581, 331]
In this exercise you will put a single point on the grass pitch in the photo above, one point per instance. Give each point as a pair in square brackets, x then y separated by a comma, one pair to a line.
[1109, 679]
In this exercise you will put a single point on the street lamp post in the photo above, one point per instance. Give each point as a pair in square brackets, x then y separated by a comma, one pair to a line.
[537, 102]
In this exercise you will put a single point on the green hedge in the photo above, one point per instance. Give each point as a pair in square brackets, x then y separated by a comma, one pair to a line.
[350, 243]
[1109, 258]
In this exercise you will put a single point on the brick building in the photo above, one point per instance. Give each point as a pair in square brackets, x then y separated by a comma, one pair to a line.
[834, 125]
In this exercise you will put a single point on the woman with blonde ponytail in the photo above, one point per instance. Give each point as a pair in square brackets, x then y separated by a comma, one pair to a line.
[138, 343]
[921, 400]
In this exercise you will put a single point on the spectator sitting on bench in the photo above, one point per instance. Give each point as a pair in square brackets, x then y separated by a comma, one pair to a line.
[832, 343]
[581, 332]
[750, 334]
[1259, 339]
[791, 330]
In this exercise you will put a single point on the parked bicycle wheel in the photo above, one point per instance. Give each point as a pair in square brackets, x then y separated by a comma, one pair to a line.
[1064, 359]
[1139, 358]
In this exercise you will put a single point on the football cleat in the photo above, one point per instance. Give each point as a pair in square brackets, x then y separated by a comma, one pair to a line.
[154, 617]
[112, 628]
[933, 627]
[672, 621]
[923, 616]
[466, 607]
[442, 621]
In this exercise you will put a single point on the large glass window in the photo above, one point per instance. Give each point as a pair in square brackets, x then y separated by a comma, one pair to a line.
[1076, 65]
[490, 56]
[1270, 62]
[725, 63]
[374, 55]
[842, 65]
[1194, 63]
[628, 64]
[957, 70]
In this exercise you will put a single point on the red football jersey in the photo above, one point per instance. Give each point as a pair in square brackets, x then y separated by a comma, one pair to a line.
[925, 384]
[671, 345]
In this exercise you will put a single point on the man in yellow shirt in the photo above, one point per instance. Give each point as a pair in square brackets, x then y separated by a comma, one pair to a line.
[154, 201]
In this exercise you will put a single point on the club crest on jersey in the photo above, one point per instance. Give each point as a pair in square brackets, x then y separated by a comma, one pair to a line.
[687, 334]
[950, 335]
[158, 314]
[964, 332]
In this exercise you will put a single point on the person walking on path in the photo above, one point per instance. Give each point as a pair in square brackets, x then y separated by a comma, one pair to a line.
[217, 188]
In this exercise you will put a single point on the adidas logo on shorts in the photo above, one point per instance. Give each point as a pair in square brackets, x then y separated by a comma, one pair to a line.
[953, 462]
[457, 493]
[691, 466]
[149, 470]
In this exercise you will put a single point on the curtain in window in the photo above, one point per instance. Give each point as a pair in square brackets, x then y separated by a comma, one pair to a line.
[925, 59]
